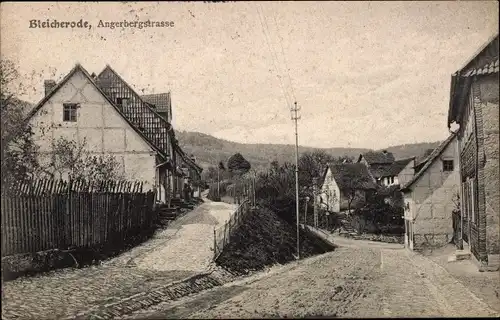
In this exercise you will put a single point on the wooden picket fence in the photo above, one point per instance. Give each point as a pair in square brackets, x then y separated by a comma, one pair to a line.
[223, 233]
[68, 215]
[241, 190]
[49, 186]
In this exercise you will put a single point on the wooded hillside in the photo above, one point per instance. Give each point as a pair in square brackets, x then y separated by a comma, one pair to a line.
[209, 150]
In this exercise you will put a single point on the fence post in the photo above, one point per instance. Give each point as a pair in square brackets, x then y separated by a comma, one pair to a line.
[215, 244]
[67, 219]
[254, 187]
[224, 239]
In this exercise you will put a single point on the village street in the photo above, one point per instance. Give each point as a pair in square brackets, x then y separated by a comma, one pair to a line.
[358, 279]
[173, 254]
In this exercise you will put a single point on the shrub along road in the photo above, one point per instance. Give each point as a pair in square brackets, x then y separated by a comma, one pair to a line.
[358, 279]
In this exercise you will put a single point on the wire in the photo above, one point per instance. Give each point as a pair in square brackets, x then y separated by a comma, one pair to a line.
[273, 56]
[284, 58]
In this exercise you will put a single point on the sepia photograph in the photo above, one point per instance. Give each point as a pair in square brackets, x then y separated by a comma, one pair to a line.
[250, 160]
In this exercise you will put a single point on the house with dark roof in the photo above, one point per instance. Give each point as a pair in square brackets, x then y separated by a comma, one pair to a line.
[429, 198]
[114, 120]
[398, 173]
[345, 186]
[378, 163]
[386, 170]
[474, 107]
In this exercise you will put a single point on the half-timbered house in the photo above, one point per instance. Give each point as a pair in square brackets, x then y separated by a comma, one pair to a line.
[114, 120]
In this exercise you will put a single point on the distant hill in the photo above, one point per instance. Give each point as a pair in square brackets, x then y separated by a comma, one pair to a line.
[209, 150]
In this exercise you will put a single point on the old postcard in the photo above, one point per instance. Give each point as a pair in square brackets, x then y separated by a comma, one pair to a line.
[250, 159]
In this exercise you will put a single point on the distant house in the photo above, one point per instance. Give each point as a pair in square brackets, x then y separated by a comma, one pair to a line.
[187, 168]
[399, 172]
[474, 106]
[386, 170]
[340, 181]
[429, 196]
[114, 120]
[378, 164]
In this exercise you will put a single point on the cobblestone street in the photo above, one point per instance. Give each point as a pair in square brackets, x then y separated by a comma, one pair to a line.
[173, 254]
[359, 279]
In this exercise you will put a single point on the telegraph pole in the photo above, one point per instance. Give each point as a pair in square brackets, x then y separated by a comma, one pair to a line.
[315, 195]
[218, 182]
[296, 117]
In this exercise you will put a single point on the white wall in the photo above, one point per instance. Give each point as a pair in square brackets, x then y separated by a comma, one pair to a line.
[431, 202]
[106, 132]
[330, 193]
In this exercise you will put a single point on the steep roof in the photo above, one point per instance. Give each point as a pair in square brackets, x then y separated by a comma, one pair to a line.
[372, 157]
[153, 126]
[484, 62]
[355, 175]
[58, 86]
[379, 170]
[430, 160]
[423, 157]
[397, 166]
[160, 101]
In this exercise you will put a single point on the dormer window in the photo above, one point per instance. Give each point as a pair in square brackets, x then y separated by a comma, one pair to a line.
[70, 112]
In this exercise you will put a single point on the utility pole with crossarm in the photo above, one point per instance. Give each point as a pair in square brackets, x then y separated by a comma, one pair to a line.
[296, 117]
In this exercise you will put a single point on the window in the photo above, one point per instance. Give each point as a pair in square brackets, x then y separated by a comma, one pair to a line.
[121, 102]
[472, 200]
[447, 165]
[70, 112]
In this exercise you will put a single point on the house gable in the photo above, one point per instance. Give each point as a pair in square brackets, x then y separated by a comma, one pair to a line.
[78, 87]
[407, 173]
[431, 160]
[330, 193]
[102, 126]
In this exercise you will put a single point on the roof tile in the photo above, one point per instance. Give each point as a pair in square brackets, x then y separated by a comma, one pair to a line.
[379, 157]
[492, 67]
[344, 173]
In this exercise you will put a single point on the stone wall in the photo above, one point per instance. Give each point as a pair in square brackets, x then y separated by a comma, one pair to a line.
[489, 99]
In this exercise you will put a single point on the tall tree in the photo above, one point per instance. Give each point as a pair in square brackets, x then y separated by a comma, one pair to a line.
[18, 151]
[238, 165]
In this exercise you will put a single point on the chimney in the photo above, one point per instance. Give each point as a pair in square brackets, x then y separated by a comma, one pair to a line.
[49, 85]
[193, 158]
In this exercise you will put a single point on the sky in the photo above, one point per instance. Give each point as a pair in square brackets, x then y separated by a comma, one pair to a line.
[366, 75]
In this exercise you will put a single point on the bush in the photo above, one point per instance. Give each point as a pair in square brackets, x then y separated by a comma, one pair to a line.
[379, 218]
[265, 239]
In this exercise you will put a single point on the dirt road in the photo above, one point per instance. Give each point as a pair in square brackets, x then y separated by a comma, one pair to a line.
[359, 279]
